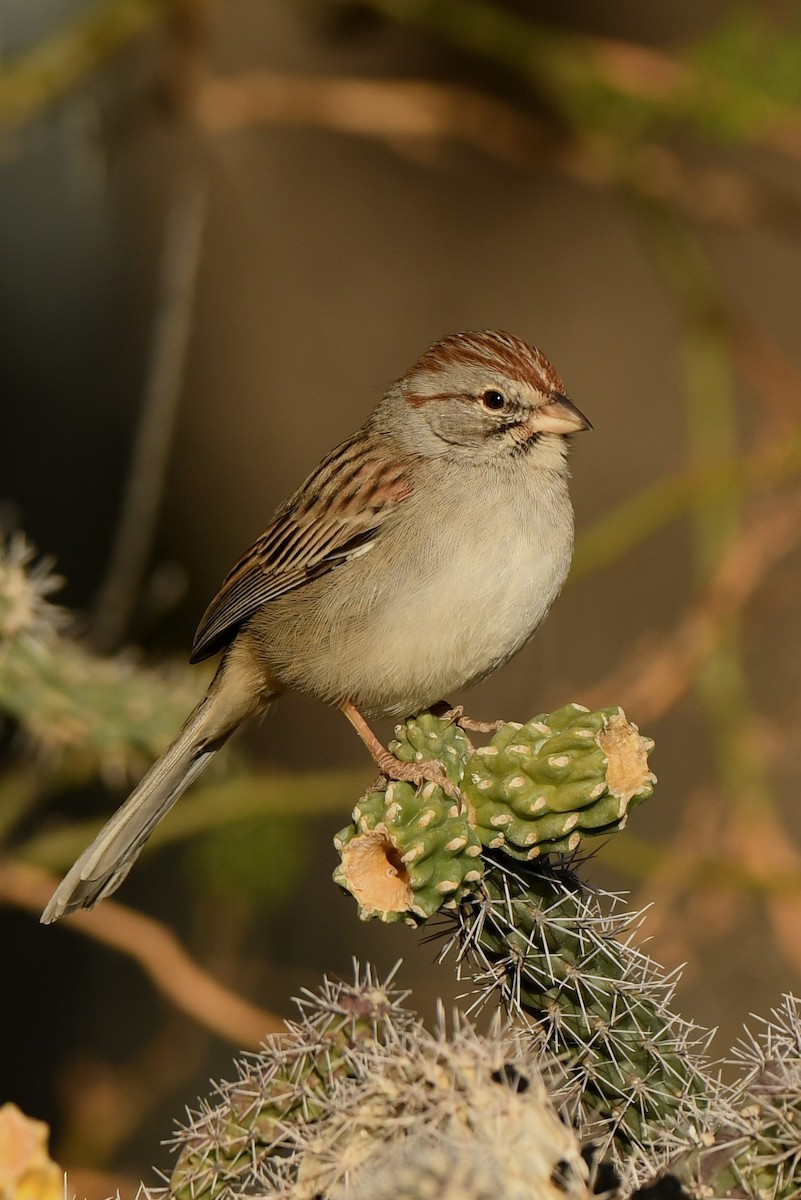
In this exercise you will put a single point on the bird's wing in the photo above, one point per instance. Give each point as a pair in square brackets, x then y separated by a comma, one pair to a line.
[334, 516]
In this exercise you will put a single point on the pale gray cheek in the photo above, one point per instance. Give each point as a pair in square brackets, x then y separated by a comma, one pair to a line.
[457, 423]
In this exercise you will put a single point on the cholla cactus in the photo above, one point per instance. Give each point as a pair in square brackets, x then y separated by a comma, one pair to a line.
[356, 1086]
[26, 613]
[485, 1128]
[358, 1101]
[230, 1146]
[768, 1100]
[406, 855]
[535, 935]
[535, 789]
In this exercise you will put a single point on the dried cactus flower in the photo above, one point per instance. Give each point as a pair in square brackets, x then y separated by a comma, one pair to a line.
[407, 853]
[26, 1170]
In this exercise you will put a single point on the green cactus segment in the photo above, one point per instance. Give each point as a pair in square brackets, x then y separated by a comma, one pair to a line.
[539, 788]
[407, 854]
[631, 1064]
[227, 1148]
[88, 714]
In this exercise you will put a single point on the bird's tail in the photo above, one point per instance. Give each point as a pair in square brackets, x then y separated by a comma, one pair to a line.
[104, 864]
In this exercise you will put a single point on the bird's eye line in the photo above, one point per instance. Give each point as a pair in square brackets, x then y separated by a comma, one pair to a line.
[494, 400]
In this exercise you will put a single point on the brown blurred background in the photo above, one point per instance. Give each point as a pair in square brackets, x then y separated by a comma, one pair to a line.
[315, 192]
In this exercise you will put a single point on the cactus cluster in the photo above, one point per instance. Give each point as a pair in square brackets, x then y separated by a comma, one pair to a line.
[359, 1100]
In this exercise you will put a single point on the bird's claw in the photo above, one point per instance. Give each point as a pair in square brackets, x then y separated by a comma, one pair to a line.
[456, 716]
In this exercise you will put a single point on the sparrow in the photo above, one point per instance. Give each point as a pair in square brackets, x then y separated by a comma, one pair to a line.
[416, 559]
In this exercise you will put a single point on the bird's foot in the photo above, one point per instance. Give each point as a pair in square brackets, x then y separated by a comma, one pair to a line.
[418, 773]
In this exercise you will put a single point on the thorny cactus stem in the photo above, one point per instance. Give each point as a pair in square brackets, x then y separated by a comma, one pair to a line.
[768, 1100]
[539, 788]
[537, 937]
[228, 1148]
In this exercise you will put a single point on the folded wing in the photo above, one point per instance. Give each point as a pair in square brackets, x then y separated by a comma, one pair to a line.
[335, 515]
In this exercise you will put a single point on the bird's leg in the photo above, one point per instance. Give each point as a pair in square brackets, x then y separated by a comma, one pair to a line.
[455, 714]
[417, 772]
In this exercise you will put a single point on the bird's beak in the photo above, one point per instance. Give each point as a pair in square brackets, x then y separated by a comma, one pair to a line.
[559, 415]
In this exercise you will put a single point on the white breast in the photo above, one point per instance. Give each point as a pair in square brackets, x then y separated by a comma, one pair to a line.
[466, 595]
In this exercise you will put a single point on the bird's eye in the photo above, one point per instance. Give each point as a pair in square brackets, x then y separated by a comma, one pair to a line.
[493, 400]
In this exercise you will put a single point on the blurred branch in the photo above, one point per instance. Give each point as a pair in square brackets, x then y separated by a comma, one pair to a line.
[377, 108]
[586, 78]
[686, 866]
[19, 791]
[752, 831]
[777, 384]
[399, 111]
[180, 260]
[710, 406]
[159, 954]
[60, 62]
[772, 377]
[106, 1103]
